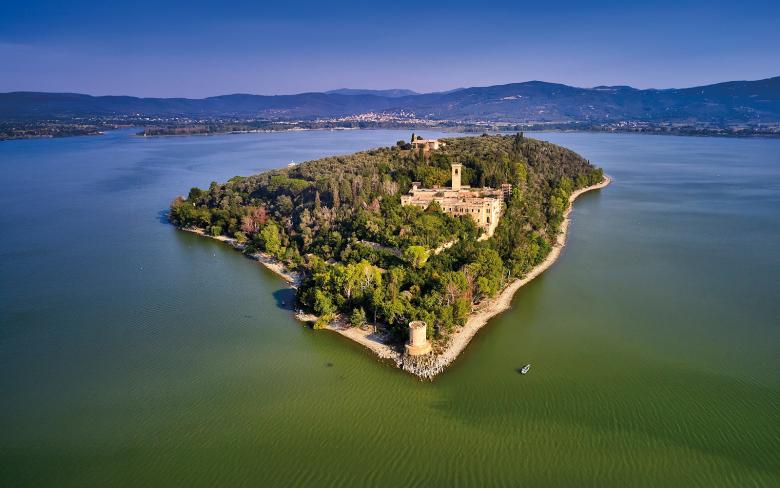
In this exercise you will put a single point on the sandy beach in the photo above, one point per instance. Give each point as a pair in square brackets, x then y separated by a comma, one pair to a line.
[425, 367]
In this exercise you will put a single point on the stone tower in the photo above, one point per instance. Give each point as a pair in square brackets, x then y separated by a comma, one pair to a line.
[456, 169]
[418, 344]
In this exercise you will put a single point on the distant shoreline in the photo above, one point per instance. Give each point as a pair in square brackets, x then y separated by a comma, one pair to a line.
[258, 131]
[425, 367]
[479, 130]
[465, 129]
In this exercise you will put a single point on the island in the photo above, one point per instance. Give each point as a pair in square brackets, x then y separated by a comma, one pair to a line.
[408, 249]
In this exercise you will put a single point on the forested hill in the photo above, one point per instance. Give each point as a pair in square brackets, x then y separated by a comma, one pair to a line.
[533, 101]
[340, 222]
[392, 93]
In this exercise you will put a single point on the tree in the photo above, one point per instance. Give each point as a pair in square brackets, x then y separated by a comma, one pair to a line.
[369, 276]
[460, 310]
[433, 207]
[517, 146]
[417, 256]
[377, 298]
[284, 204]
[196, 195]
[269, 236]
[254, 219]
[182, 212]
[202, 217]
[488, 271]
[454, 286]
[358, 317]
[324, 321]
[359, 279]
[323, 305]
[566, 185]
[396, 311]
[334, 193]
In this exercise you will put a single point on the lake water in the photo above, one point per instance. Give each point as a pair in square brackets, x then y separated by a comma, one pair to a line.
[133, 354]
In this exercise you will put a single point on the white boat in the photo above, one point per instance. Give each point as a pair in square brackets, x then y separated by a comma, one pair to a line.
[525, 369]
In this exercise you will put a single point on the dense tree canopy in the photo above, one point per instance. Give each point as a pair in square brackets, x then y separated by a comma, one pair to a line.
[340, 222]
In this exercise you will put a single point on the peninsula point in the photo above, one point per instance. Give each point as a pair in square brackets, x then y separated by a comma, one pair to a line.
[407, 249]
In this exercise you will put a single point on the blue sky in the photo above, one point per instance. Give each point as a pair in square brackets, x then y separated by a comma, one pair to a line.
[197, 49]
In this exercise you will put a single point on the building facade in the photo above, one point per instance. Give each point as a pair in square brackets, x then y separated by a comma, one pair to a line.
[427, 144]
[483, 205]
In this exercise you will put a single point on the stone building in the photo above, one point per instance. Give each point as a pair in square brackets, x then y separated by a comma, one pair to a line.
[484, 205]
[418, 342]
[427, 144]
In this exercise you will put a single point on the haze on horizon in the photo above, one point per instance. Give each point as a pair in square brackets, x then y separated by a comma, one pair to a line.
[201, 49]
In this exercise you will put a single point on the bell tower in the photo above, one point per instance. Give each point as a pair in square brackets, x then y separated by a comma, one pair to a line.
[456, 170]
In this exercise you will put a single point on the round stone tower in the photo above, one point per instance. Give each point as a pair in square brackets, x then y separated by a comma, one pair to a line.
[418, 344]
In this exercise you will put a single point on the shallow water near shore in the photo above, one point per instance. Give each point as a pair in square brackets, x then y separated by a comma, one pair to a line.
[134, 354]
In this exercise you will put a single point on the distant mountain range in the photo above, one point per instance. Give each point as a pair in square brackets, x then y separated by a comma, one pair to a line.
[533, 101]
[393, 93]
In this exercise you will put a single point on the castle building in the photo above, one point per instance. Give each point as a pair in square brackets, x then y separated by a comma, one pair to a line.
[484, 205]
[427, 144]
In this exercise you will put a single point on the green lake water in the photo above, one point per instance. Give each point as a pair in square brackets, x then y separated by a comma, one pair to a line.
[132, 354]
